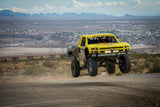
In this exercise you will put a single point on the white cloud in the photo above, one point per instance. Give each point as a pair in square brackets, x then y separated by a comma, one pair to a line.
[139, 1]
[108, 3]
[37, 9]
[79, 4]
[115, 3]
[16, 9]
[98, 7]
[44, 9]
[50, 6]
[98, 4]
[78, 7]
[122, 3]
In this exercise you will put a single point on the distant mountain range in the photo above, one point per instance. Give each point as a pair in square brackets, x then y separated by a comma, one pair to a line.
[18, 14]
[10, 13]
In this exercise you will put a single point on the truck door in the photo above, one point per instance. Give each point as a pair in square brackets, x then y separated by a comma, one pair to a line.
[82, 49]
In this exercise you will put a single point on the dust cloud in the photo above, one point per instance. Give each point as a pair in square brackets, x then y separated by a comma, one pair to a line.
[41, 72]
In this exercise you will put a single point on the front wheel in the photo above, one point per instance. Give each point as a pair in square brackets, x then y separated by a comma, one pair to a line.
[110, 68]
[92, 66]
[75, 68]
[124, 64]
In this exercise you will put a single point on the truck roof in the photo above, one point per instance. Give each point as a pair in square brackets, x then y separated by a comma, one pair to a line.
[98, 35]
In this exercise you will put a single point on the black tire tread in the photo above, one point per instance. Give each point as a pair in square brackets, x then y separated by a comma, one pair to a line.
[94, 67]
[111, 68]
[127, 64]
[76, 71]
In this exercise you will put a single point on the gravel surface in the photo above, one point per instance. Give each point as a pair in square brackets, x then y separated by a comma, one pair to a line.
[142, 90]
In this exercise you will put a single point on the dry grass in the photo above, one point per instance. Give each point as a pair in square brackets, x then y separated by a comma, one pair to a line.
[35, 67]
[145, 63]
[35, 71]
[140, 63]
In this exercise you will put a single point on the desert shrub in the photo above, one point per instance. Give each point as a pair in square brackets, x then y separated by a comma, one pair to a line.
[155, 68]
[34, 70]
[134, 55]
[138, 56]
[158, 55]
[147, 64]
[32, 62]
[49, 64]
[151, 59]
[64, 56]
[145, 55]
[134, 69]
[138, 68]
[135, 62]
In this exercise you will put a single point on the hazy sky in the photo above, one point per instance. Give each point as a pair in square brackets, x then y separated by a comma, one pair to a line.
[110, 7]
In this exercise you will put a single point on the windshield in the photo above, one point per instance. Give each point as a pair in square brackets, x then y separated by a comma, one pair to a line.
[105, 39]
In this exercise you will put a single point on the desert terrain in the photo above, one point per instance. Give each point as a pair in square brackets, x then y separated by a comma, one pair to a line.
[50, 83]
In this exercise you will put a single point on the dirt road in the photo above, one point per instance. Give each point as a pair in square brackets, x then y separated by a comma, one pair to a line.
[142, 90]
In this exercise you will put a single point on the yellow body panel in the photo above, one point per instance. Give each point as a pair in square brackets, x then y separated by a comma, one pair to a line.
[103, 48]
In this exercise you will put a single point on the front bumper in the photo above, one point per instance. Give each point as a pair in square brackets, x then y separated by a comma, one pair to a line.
[110, 54]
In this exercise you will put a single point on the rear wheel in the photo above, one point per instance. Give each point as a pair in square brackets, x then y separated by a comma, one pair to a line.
[124, 64]
[75, 68]
[92, 66]
[110, 68]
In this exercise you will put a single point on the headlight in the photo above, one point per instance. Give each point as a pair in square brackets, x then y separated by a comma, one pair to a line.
[115, 51]
[107, 51]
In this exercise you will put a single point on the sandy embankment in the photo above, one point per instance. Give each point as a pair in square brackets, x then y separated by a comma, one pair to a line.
[15, 51]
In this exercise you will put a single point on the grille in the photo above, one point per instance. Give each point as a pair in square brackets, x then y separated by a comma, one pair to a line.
[112, 48]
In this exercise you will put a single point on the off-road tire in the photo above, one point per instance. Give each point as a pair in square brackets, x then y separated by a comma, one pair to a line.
[92, 66]
[124, 64]
[75, 68]
[110, 68]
